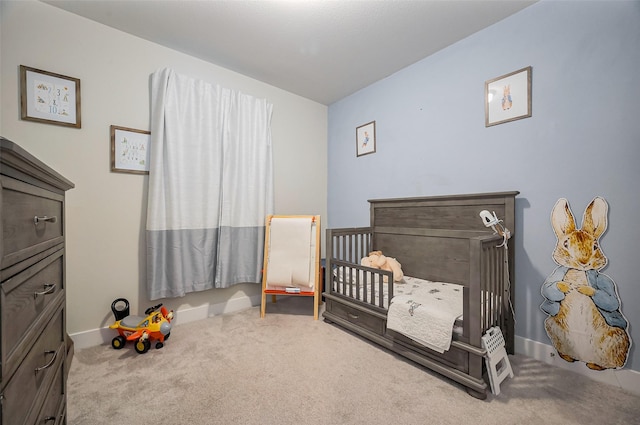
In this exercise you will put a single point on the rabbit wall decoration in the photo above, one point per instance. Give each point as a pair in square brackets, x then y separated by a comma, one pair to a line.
[584, 319]
[507, 102]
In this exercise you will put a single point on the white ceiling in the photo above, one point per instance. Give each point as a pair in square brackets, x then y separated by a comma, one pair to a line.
[321, 50]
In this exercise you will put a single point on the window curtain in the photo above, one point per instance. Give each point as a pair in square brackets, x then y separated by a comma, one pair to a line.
[210, 186]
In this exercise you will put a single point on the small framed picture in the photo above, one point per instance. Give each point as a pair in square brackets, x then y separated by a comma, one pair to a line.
[366, 139]
[508, 98]
[129, 150]
[49, 98]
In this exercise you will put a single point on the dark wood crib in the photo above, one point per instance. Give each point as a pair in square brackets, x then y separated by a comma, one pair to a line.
[438, 238]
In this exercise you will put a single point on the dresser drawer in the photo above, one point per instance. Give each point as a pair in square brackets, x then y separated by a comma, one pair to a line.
[357, 317]
[32, 220]
[24, 299]
[52, 412]
[27, 388]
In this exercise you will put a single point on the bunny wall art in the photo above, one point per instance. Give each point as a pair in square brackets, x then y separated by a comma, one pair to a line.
[584, 319]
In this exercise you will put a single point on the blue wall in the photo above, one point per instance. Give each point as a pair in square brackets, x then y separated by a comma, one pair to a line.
[582, 141]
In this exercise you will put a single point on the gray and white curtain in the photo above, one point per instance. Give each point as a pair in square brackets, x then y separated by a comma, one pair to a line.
[210, 186]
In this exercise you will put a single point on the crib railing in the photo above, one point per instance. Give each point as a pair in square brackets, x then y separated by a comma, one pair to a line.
[344, 274]
[496, 307]
[349, 244]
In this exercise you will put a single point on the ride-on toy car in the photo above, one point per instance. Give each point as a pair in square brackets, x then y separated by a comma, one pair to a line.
[154, 326]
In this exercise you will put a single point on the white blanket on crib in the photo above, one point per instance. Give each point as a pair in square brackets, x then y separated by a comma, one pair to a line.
[425, 311]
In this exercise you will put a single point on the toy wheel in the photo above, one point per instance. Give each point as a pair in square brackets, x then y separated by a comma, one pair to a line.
[142, 346]
[166, 337]
[159, 345]
[118, 342]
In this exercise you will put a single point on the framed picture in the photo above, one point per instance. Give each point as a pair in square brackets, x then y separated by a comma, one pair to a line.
[49, 98]
[508, 98]
[129, 150]
[366, 139]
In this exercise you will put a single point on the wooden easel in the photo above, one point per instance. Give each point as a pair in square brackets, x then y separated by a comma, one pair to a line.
[287, 237]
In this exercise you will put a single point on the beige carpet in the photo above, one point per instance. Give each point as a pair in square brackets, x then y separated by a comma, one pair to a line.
[289, 369]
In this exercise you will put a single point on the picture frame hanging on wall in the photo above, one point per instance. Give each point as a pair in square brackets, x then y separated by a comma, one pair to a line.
[366, 139]
[508, 97]
[49, 98]
[130, 150]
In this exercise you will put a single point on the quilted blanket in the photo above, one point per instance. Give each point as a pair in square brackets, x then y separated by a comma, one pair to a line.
[426, 311]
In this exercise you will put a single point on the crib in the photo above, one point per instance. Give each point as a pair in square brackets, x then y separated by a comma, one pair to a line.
[439, 239]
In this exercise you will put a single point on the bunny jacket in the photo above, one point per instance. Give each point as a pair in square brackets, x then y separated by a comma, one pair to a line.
[605, 297]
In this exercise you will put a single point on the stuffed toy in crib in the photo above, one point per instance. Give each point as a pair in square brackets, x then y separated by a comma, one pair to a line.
[377, 260]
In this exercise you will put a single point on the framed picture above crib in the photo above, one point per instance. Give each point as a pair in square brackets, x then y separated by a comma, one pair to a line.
[366, 139]
[508, 98]
[129, 150]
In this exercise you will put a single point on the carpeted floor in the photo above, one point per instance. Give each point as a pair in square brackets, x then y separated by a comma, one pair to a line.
[289, 369]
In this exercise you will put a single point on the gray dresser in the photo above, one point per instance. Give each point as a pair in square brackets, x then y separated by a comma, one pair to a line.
[35, 352]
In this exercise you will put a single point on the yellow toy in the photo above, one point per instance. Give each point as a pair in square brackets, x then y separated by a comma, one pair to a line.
[154, 326]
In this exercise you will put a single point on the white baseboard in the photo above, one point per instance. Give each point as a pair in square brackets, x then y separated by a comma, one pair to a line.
[626, 379]
[101, 336]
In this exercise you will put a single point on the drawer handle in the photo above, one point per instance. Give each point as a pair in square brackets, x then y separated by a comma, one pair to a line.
[353, 316]
[49, 288]
[53, 359]
[49, 419]
[45, 218]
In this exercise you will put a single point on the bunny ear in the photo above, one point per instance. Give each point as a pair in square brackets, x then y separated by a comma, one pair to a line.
[594, 220]
[562, 219]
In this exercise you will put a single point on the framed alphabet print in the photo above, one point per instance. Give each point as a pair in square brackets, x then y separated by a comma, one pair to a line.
[508, 98]
[129, 150]
[49, 98]
[366, 139]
